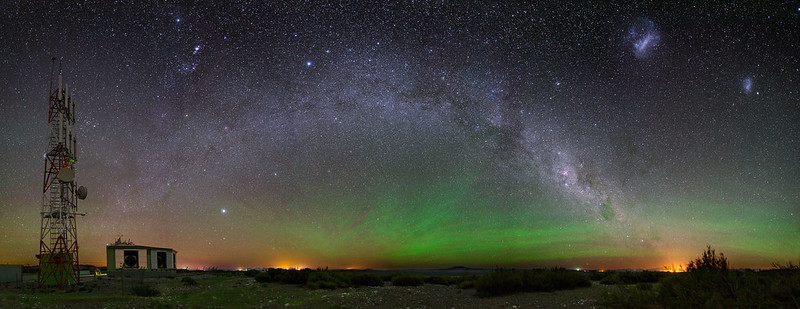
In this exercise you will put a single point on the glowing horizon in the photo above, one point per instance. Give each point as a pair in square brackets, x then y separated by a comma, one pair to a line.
[429, 135]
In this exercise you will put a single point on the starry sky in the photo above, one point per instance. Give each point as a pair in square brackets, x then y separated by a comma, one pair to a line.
[411, 134]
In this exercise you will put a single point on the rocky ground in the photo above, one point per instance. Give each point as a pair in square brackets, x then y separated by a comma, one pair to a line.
[244, 292]
[440, 296]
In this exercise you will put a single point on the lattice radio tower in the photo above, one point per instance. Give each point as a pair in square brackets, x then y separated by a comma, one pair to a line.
[58, 245]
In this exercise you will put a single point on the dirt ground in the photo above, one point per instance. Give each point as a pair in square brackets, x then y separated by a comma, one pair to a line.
[244, 292]
[440, 296]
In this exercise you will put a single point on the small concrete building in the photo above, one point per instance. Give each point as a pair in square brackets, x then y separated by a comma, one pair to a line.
[121, 256]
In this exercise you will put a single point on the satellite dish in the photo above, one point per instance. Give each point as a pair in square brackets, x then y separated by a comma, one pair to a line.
[82, 192]
[66, 174]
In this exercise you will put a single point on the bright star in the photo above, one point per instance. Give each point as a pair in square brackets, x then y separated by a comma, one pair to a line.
[308, 63]
[224, 210]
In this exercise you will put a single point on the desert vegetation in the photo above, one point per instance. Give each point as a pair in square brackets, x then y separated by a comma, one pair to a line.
[501, 281]
[709, 283]
[323, 279]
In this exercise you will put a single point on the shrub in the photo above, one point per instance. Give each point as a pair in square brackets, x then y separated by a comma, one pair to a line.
[788, 265]
[293, 276]
[466, 284]
[406, 280]
[566, 279]
[435, 280]
[644, 286]
[189, 281]
[610, 279]
[632, 277]
[325, 285]
[325, 280]
[642, 277]
[366, 280]
[145, 291]
[288, 276]
[628, 297]
[599, 275]
[499, 283]
[263, 277]
[274, 274]
[709, 261]
[502, 282]
[388, 277]
[708, 285]
[451, 280]
[251, 272]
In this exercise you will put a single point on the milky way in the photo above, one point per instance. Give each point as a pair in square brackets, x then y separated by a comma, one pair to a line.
[414, 135]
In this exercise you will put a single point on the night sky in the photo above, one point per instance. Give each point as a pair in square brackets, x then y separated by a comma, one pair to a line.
[411, 134]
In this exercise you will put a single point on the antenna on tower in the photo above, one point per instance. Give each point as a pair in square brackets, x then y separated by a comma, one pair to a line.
[52, 70]
[58, 243]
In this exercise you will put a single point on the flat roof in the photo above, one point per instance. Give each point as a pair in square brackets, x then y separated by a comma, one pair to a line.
[137, 247]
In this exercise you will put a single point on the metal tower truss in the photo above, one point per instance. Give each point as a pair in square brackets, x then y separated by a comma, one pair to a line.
[58, 245]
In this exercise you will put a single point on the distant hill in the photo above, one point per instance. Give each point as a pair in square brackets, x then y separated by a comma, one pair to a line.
[462, 268]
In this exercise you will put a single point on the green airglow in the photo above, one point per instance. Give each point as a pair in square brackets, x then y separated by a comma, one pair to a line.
[438, 223]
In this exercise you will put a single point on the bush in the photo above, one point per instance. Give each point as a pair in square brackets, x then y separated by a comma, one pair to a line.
[288, 276]
[293, 276]
[632, 277]
[274, 274]
[501, 282]
[610, 279]
[251, 272]
[263, 277]
[406, 280]
[189, 281]
[644, 286]
[145, 291]
[435, 280]
[454, 280]
[567, 280]
[325, 285]
[709, 285]
[709, 261]
[629, 297]
[788, 265]
[388, 277]
[466, 284]
[366, 280]
[325, 280]
[599, 275]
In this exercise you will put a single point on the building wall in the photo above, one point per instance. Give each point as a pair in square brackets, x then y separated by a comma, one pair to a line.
[119, 257]
[147, 257]
[143, 258]
[152, 260]
[168, 255]
[111, 259]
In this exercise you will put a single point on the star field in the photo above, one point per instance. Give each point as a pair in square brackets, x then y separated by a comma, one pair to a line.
[412, 134]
